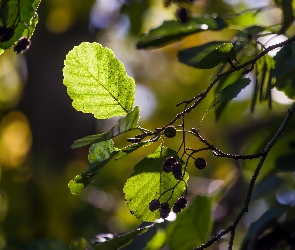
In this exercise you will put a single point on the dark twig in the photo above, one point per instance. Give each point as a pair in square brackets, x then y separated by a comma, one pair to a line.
[264, 153]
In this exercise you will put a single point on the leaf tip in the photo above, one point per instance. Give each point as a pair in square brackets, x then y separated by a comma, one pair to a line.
[76, 186]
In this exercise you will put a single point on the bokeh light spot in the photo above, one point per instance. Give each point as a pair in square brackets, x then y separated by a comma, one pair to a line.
[15, 139]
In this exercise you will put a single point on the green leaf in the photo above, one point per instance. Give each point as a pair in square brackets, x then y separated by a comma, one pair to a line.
[21, 16]
[229, 92]
[267, 185]
[131, 148]
[288, 16]
[192, 227]
[97, 82]
[149, 182]
[157, 241]
[124, 124]
[207, 55]
[120, 241]
[99, 155]
[76, 186]
[172, 30]
[266, 221]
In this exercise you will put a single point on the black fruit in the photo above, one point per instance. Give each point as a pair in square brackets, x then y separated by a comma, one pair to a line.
[200, 163]
[167, 166]
[22, 45]
[180, 204]
[154, 205]
[170, 131]
[181, 14]
[164, 210]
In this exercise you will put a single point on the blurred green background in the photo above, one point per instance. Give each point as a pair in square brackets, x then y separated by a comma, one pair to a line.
[38, 124]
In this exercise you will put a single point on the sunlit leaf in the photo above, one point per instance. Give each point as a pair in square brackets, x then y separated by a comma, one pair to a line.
[119, 241]
[149, 182]
[97, 82]
[172, 30]
[99, 155]
[230, 92]
[193, 225]
[124, 124]
[21, 17]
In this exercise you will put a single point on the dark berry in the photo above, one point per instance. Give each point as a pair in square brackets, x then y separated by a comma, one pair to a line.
[200, 163]
[170, 131]
[181, 14]
[167, 166]
[177, 174]
[164, 210]
[176, 166]
[22, 45]
[180, 204]
[154, 205]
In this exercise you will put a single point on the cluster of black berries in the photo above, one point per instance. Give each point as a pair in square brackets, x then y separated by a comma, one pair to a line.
[172, 165]
[163, 207]
[180, 204]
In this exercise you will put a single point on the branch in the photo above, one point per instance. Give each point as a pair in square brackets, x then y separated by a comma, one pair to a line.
[264, 152]
[198, 98]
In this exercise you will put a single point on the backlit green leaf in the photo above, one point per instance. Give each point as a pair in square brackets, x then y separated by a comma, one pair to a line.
[149, 182]
[124, 124]
[97, 82]
[172, 30]
[192, 227]
[20, 17]
[99, 155]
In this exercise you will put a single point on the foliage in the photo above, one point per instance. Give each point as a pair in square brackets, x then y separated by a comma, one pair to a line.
[159, 187]
[154, 181]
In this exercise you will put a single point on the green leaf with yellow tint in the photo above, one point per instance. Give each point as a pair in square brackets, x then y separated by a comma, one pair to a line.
[149, 182]
[97, 81]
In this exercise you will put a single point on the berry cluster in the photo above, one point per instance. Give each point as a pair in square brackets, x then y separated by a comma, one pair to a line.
[172, 165]
[163, 207]
[180, 204]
